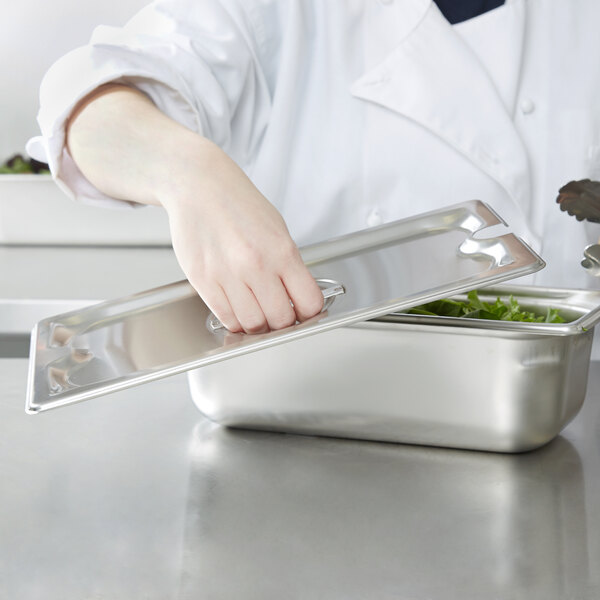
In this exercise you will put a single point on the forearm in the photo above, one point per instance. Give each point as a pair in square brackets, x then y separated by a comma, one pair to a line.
[130, 150]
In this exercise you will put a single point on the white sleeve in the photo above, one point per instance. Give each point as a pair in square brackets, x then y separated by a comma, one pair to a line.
[199, 62]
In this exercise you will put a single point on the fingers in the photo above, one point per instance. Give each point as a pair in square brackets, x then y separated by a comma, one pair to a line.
[267, 303]
[246, 308]
[286, 295]
[216, 299]
[263, 306]
[263, 297]
[237, 307]
[275, 303]
[302, 290]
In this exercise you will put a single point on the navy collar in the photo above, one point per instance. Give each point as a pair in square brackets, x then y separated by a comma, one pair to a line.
[457, 11]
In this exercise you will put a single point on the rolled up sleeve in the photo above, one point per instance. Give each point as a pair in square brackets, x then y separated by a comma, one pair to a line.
[197, 61]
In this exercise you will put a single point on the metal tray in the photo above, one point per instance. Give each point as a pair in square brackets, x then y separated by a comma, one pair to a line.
[440, 381]
[169, 330]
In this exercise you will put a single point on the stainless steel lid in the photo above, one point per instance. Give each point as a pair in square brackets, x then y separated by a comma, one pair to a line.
[168, 330]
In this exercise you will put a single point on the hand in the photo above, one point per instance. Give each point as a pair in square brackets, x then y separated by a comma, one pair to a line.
[234, 246]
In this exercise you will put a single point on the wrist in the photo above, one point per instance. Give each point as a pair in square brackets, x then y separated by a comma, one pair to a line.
[191, 163]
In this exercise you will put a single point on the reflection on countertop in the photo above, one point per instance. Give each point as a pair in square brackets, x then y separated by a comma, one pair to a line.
[300, 517]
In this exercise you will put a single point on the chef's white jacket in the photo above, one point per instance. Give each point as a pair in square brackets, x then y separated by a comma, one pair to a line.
[350, 113]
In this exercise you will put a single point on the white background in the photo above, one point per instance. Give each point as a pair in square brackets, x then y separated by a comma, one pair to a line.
[33, 210]
[33, 34]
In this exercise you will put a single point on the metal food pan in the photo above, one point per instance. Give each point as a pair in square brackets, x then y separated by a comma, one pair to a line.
[439, 381]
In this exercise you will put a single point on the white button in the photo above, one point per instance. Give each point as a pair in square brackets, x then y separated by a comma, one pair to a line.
[527, 106]
[374, 218]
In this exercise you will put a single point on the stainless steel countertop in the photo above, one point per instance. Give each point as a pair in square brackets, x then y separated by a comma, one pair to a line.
[135, 495]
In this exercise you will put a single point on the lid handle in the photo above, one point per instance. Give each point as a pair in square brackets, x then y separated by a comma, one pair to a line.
[329, 288]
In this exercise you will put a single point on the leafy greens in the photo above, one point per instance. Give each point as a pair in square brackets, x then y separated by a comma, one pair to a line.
[475, 308]
[19, 165]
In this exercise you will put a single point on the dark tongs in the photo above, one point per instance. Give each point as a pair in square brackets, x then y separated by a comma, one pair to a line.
[581, 199]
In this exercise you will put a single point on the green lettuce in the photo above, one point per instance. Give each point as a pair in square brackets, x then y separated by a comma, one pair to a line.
[475, 308]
